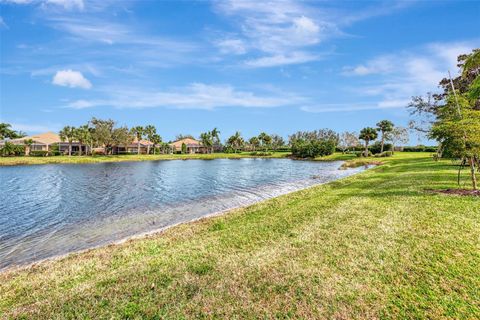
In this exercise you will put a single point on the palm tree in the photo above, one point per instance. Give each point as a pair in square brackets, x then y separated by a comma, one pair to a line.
[383, 127]
[28, 146]
[216, 137]
[138, 131]
[68, 134]
[265, 139]
[150, 131]
[254, 142]
[206, 139]
[236, 141]
[155, 139]
[83, 136]
[368, 134]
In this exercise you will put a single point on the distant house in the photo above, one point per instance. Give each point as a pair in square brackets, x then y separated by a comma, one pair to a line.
[41, 142]
[145, 147]
[192, 145]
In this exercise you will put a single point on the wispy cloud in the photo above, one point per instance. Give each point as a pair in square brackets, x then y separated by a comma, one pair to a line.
[65, 4]
[2, 23]
[393, 79]
[194, 96]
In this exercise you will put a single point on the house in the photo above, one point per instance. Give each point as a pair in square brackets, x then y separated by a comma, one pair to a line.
[41, 142]
[193, 146]
[145, 147]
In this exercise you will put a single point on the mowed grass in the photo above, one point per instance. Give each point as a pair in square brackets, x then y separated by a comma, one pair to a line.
[371, 246]
[11, 161]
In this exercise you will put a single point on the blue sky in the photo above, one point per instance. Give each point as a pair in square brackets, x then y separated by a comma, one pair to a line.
[189, 66]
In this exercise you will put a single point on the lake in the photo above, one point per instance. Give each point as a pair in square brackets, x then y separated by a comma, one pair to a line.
[50, 210]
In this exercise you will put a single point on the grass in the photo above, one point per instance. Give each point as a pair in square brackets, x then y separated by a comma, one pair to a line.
[11, 161]
[371, 246]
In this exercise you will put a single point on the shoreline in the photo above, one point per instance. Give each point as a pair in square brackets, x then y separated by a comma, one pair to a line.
[159, 231]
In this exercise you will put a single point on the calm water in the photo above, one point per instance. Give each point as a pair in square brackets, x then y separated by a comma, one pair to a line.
[48, 210]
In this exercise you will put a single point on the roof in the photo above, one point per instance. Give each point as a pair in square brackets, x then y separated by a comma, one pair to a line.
[188, 141]
[42, 138]
[143, 142]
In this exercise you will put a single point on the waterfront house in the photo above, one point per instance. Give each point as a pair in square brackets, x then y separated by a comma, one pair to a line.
[41, 142]
[192, 145]
[145, 147]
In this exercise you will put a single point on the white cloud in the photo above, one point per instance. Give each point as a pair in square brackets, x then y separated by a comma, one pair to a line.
[72, 79]
[68, 4]
[281, 59]
[352, 107]
[194, 96]
[275, 29]
[395, 78]
[33, 128]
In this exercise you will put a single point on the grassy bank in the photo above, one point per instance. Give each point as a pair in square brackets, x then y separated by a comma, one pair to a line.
[12, 161]
[374, 245]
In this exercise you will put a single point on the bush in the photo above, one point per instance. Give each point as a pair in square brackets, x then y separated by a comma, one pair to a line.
[260, 153]
[39, 153]
[384, 154]
[313, 148]
[377, 147]
[360, 154]
[420, 148]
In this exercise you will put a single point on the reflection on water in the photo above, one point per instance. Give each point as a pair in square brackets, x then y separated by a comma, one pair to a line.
[55, 209]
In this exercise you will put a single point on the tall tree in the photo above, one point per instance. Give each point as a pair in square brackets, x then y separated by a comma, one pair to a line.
[368, 134]
[7, 133]
[348, 140]
[122, 136]
[102, 133]
[28, 146]
[216, 138]
[150, 132]
[207, 140]
[156, 139]
[265, 140]
[68, 134]
[276, 141]
[236, 141]
[383, 127]
[454, 114]
[254, 143]
[82, 135]
[399, 135]
[139, 132]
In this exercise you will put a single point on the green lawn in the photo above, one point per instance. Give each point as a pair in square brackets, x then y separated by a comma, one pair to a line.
[370, 246]
[11, 161]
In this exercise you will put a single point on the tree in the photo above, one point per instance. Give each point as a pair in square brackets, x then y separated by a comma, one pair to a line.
[150, 132]
[312, 144]
[277, 142]
[83, 136]
[454, 114]
[138, 132]
[122, 136]
[7, 133]
[216, 138]
[183, 136]
[236, 141]
[206, 139]
[156, 139]
[68, 133]
[383, 127]
[348, 140]
[184, 148]
[265, 140]
[102, 133]
[368, 134]
[396, 136]
[28, 146]
[254, 143]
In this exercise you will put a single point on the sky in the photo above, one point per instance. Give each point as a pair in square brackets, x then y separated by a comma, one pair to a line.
[189, 66]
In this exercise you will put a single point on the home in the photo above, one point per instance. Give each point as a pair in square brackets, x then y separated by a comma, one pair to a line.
[192, 146]
[41, 142]
[145, 147]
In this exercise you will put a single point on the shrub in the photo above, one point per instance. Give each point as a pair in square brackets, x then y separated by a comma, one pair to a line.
[39, 153]
[362, 153]
[313, 148]
[384, 154]
[377, 147]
